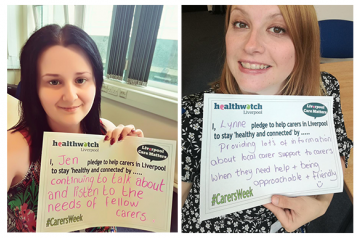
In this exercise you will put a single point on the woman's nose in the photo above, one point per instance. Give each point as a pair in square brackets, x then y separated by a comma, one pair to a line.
[254, 42]
[70, 93]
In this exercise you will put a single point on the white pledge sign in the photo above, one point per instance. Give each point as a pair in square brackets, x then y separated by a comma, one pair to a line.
[86, 182]
[256, 146]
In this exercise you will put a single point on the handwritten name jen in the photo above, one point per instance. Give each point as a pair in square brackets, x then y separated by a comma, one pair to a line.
[68, 161]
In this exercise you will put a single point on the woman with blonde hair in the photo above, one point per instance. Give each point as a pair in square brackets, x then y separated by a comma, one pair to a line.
[270, 50]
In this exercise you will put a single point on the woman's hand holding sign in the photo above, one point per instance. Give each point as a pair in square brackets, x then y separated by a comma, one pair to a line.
[295, 212]
[120, 132]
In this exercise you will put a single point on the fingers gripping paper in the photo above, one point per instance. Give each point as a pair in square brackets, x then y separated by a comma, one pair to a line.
[86, 182]
[257, 146]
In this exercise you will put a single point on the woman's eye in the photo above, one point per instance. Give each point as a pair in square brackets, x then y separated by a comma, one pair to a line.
[54, 82]
[81, 81]
[277, 30]
[240, 25]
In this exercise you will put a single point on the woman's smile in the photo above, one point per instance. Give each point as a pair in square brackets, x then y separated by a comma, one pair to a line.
[253, 67]
[260, 52]
[70, 109]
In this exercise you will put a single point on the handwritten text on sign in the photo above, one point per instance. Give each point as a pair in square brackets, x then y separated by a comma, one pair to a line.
[86, 182]
[257, 146]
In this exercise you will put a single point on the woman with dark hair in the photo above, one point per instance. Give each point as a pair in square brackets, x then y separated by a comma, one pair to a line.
[270, 50]
[61, 77]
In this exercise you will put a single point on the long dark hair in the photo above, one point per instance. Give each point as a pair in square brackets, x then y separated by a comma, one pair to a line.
[33, 118]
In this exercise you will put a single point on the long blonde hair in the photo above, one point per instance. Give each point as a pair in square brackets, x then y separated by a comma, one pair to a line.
[305, 79]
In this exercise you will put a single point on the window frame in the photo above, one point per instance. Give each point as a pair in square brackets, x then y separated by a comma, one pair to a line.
[147, 98]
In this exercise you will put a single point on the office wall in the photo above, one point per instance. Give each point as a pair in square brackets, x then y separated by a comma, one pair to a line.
[334, 12]
[13, 76]
[152, 125]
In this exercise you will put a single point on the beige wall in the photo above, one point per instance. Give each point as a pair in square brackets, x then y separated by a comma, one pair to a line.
[152, 125]
[325, 12]
[13, 76]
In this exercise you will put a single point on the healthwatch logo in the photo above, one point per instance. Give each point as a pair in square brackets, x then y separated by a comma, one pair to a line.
[247, 108]
[237, 106]
[75, 144]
